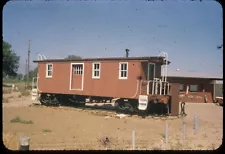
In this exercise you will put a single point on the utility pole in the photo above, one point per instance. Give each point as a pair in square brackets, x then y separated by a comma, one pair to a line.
[28, 63]
[25, 80]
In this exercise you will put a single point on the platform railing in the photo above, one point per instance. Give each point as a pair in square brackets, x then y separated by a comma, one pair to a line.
[158, 87]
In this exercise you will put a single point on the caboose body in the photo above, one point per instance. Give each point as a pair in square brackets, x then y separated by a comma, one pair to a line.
[133, 81]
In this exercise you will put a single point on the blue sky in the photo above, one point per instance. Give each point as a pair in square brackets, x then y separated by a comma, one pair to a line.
[189, 31]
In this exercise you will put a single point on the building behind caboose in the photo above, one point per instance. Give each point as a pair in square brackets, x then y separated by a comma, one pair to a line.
[197, 87]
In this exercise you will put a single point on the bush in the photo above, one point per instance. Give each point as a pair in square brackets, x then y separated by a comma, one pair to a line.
[24, 93]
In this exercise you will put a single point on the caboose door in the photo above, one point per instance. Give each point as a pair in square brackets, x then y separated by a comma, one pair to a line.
[151, 75]
[77, 76]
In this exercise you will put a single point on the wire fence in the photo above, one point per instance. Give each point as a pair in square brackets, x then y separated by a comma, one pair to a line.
[167, 141]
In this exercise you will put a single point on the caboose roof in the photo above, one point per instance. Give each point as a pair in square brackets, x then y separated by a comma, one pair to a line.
[157, 59]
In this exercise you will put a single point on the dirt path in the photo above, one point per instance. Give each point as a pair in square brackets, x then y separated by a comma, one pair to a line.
[69, 128]
[72, 128]
[15, 99]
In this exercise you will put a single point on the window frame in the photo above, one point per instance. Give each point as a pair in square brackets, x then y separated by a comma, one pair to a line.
[194, 90]
[183, 87]
[120, 71]
[78, 71]
[96, 70]
[150, 63]
[47, 70]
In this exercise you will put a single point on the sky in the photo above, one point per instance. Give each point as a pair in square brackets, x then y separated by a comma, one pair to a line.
[189, 31]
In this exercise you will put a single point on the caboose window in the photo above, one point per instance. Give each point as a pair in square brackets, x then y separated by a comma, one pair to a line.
[49, 69]
[96, 70]
[78, 69]
[123, 69]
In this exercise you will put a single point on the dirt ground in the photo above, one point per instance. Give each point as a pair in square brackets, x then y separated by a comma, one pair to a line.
[72, 128]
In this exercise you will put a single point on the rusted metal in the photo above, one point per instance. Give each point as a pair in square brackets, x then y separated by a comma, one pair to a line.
[174, 91]
[159, 98]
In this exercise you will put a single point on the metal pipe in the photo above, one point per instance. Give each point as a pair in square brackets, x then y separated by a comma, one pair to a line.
[160, 89]
[184, 130]
[164, 88]
[39, 57]
[156, 87]
[163, 73]
[140, 87]
[168, 88]
[163, 67]
[153, 87]
[133, 140]
[147, 87]
[166, 134]
[44, 56]
[166, 66]
[24, 144]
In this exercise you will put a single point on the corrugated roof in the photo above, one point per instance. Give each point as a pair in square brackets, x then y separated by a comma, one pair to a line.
[156, 59]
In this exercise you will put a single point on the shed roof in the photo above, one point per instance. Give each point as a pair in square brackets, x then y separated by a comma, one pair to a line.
[201, 75]
[157, 59]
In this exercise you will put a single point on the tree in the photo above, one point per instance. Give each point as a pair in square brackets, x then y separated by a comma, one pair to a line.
[73, 57]
[10, 60]
[32, 74]
[19, 77]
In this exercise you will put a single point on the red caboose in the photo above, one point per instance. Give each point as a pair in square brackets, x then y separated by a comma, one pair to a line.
[134, 81]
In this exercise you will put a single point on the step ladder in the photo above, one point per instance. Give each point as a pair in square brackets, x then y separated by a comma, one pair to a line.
[34, 91]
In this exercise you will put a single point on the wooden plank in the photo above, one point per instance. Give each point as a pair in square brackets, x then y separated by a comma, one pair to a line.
[175, 89]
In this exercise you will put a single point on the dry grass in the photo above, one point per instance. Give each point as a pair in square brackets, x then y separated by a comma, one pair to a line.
[6, 90]
[199, 146]
[205, 136]
[10, 141]
[5, 100]
[79, 134]
[178, 145]
[24, 93]
[163, 135]
[213, 146]
[156, 148]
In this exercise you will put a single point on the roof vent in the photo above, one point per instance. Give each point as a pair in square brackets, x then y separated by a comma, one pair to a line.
[127, 53]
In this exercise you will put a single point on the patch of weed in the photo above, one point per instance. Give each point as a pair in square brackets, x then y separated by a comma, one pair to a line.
[47, 130]
[18, 120]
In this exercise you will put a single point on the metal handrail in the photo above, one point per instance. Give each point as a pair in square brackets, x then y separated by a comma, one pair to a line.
[155, 83]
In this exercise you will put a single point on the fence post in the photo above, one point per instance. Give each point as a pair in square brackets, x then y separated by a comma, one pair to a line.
[184, 130]
[197, 119]
[133, 140]
[166, 134]
[195, 124]
[24, 144]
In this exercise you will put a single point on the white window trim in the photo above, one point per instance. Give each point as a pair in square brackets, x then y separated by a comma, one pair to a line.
[123, 78]
[71, 72]
[93, 69]
[78, 71]
[48, 76]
